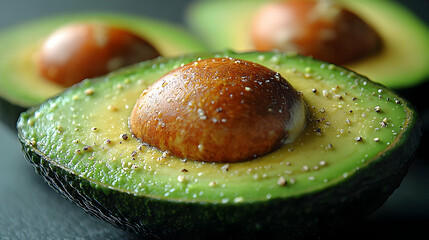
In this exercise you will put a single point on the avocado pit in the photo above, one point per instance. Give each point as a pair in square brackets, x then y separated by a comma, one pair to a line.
[219, 110]
[78, 51]
[319, 28]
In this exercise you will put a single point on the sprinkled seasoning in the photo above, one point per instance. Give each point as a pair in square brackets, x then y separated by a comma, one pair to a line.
[133, 153]
[75, 141]
[314, 90]
[377, 109]
[225, 167]
[281, 181]
[94, 129]
[89, 91]
[181, 178]
[166, 154]
[358, 139]
[184, 170]
[384, 122]
[318, 131]
[123, 136]
[78, 151]
[322, 163]
[325, 93]
[212, 184]
[376, 139]
[87, 148]
[108, 141]
[397, 101]
[112, 108]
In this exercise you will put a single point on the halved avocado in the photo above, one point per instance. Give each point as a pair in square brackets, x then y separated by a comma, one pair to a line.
[401, 63]
[352, 155]
[22, 86]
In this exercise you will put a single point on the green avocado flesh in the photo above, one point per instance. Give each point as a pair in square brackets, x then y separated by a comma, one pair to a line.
[20, 83]
[353, 153]
[401, 63]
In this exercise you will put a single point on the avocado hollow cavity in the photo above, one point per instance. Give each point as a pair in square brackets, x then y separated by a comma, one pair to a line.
[219, 110]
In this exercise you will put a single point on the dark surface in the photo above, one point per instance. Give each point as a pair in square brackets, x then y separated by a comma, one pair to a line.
[29, 209]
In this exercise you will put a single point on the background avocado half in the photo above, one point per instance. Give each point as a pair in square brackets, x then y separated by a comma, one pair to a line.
[21, 85]
[402, 62]
[353, 154]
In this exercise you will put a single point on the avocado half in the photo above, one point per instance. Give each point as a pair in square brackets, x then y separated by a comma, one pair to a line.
[401, 63]
[352, 155]
[21, 85]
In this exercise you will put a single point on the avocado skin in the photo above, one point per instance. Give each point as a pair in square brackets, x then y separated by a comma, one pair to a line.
[309, 215]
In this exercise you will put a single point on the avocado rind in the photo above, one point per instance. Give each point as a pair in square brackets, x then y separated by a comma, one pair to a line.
[298, 216]
[19, 77]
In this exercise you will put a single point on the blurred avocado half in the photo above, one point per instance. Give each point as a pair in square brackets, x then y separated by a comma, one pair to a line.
[21, 83]
[401, 63]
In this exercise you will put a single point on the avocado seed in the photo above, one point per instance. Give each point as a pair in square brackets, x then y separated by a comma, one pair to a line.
[219, 110]
[79, 51]
[318, 28]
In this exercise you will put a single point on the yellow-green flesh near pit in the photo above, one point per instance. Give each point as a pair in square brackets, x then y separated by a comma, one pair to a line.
[352, 122]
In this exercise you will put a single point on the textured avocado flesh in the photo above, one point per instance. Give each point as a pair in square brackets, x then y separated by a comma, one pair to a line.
[354, 152]
[227, 24]
[22, 86]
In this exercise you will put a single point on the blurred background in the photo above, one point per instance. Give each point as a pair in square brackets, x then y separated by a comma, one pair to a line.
[29, 209]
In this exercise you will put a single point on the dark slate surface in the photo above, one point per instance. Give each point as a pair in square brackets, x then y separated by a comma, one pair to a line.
[29, 209]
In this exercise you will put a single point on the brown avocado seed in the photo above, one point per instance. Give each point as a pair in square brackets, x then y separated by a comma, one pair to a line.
[219, 110]
[79, 51]
[318, 28]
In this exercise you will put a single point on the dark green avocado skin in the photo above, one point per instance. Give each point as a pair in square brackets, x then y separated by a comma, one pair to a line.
[311, 215]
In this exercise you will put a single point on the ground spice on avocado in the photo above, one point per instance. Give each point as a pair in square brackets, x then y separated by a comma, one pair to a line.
[281, 181]
[89, 91]
[124, 136]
